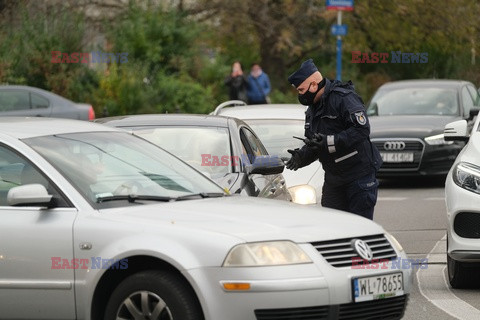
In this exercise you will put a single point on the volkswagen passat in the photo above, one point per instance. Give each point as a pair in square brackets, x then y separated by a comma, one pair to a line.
[407, 119]
[462, 193]
[100, 224]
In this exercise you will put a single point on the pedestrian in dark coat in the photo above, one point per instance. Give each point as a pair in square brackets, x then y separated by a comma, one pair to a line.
[237, 83]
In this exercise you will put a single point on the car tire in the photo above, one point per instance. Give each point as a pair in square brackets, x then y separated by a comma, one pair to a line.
[153, 295]
[462, 275]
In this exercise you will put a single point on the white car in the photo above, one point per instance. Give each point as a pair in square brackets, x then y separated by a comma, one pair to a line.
[462, 194]
[99, 224]
[275, 125]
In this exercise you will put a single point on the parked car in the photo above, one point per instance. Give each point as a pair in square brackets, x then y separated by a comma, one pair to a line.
[407, 119]
[35, 102]
[100, 224]
[225, 149]
[462, 194]
[276, 124]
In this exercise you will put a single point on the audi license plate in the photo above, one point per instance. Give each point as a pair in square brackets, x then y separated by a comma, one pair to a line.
[397, 156]
[377, 287]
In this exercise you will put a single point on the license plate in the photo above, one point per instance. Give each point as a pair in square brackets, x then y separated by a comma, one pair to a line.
[397, 156]
[377, 287]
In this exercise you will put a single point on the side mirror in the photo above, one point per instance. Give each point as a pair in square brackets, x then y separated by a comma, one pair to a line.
[266, 165]
[456, 131]
[29, 195]
[473, 112]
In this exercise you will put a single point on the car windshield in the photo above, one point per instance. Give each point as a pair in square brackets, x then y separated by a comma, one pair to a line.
[414, 101]
[189, 143]
[277, 135]
[107, 164]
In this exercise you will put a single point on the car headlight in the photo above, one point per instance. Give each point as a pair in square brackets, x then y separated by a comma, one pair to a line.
[265, 254]
[303, 194]
[396, 245]
[437, 140]
[467, 176]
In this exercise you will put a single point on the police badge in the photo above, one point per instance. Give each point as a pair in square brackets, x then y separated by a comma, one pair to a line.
[361, 119]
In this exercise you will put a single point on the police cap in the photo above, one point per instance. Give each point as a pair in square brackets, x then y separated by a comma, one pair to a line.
[306, 70]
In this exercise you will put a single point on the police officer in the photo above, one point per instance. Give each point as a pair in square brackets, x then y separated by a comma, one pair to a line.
[337, 133]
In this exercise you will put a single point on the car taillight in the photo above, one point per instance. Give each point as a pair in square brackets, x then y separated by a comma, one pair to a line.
[91, 113]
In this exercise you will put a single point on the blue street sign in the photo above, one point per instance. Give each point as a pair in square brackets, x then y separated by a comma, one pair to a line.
[346, 5]
[339, 29]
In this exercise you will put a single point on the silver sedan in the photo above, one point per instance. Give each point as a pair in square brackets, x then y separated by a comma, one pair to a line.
[99, 224]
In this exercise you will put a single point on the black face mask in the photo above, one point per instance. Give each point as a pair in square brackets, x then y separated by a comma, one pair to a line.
[308, 97]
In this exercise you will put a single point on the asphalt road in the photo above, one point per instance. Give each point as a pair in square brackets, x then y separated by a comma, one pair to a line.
[413, 210]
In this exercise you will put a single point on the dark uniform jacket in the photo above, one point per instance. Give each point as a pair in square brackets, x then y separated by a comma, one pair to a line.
[348, 153]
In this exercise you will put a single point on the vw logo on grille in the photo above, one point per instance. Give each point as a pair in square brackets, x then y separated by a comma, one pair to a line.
[362, 249]
[394, 145]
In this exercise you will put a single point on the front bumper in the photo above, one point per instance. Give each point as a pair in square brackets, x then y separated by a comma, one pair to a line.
[429, 160]
[288, 290]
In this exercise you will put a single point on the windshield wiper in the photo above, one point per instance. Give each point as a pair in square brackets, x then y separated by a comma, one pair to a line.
[201, 195]
[133, 197]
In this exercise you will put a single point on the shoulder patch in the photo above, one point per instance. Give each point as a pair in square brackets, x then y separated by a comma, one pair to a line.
[360, 118]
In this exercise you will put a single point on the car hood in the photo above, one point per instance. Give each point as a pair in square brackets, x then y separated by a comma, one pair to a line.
[408, 126]
[248, 219]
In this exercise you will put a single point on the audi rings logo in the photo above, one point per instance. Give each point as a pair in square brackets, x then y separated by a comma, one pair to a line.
[362, 249]
[394, 145]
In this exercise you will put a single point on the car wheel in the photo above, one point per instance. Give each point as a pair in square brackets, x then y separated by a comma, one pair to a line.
[462, 275]
[153, 295]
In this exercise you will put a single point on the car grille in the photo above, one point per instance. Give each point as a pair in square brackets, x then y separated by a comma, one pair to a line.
[340, 253]
[467, 225]
[390, 309]
[411, 145]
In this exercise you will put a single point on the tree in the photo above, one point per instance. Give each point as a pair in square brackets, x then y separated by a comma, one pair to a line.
[276, 33]
[26, 51]
[164, 62]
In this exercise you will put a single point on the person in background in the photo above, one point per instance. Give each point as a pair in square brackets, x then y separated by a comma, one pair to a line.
[258, 86]
[237, 83]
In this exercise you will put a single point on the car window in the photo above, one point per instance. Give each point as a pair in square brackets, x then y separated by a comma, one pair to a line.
[207, 149]
[467, 99]
[277, 135]
[414, 101]
[38, 102]
[12, 100]
[17, 171]
[107, 164]
[475, 95]
[251, 143]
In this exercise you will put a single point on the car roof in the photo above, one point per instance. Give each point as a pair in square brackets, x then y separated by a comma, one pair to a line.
[442, 83]
[166, 119]
[29, 127]
[266, 111]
